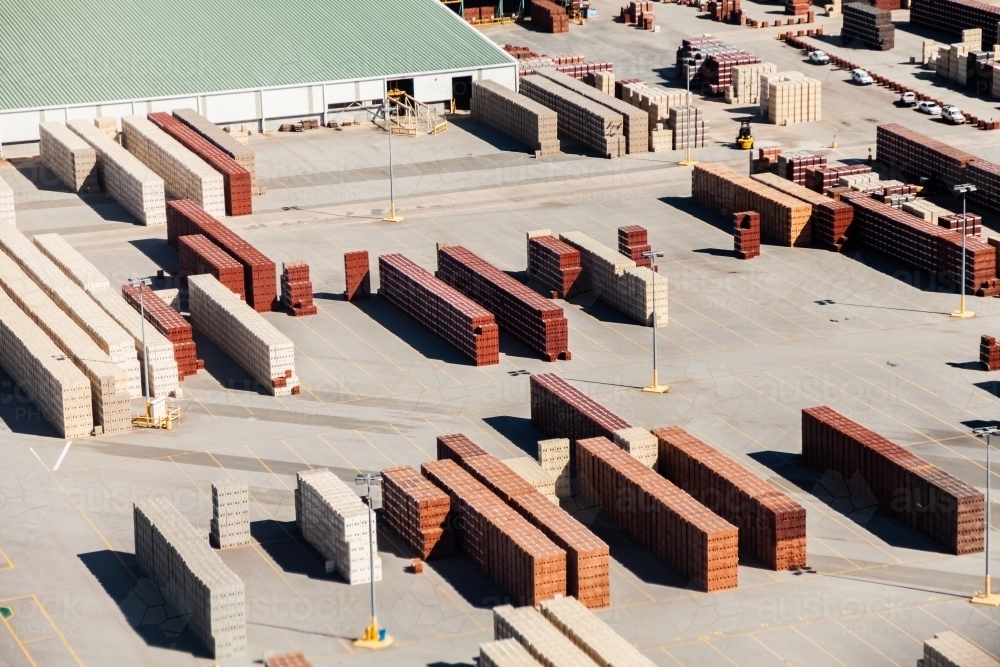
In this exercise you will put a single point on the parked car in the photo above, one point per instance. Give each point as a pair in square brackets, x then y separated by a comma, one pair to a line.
[952, 114]
[861, 77]
[930, 108]
[908, 99]
[819, 58]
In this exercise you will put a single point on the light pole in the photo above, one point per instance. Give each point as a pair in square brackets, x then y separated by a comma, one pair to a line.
[372, 637]
[392, 193]
[687, 161]
[963, 189]
[139, 282]
[656, 387]
[987, 597]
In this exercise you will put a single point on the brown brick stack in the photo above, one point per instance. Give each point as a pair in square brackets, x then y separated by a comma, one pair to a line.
[717, 71]
[635, 9]
[972, 224]
[633, 241]
[797, 7]
[357, 275]
[260, 277]
[519, 310]
[746, 234]
[587, 557]
[198, 255]
[554, 264]
[519, 557]
[830, 221]
[665, 519]
[954, 16]
[772, 526]
[440, 309]
[819, 179]
[793, 166]
[549, 17]
[766, 158]
[727, 11]
[297, 289]
[559, 410]
[237, 181]
[919, 494]
[168, 322]
[989, 353]
[417, 511]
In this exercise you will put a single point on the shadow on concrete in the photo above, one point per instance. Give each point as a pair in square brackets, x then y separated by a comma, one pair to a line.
[289, 550]
[162, 254]
[518, 430]
[470, 582]
[922, 280]
[966, 365]
[718, 252]
[991, 387]
[329, 296]
[39, 175]
[590, 303]
[409, 332]
[629, 553]
[226, 371]
[158, 621]
[487, 134]
[19, 413]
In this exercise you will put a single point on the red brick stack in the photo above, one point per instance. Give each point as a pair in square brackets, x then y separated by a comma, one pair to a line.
[519, 310]
[237, 180]
[631, 13]
[989, 353]
[921, 495]
[559, 410]
[442, 310]
[746, 234]
[766, 158]
[417, 511]
[555, 264]
[357, 275]
[954, 16]
[665, 519]
[772, 526]
[819, 179]
[972, 224]
[513, 553]
[797, 7]
[633, 241]
[793, 166]
[587, 557]
[727, 11]
[297, 289]
[718, 70]
[168, 322]
[198, 255]
[549, 17]
[260, 277]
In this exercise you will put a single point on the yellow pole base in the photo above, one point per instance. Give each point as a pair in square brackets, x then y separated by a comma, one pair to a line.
[991, 600]
[371, 638]
[392, 215]
[963, 314]
[656, 387]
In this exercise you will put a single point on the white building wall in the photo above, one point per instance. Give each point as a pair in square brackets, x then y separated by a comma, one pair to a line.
[231, 107]
[171, 104]
[432, 88]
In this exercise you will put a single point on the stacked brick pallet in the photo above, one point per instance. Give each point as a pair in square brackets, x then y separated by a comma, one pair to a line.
[746, 234]
[830, 221]
[772, 526]
[970, 224]
[869, 26]
[534, 474]
[236, 179]
[797, 7]
[587, 557]
[746, 82]
[417, 511]
[950, 649]
[259, 273]
[230, 523]
[249, 340]
[783, 219]
[790, 97]
[794, 165]
[222, 140]
[665, 519]
[691, 55]
[767, 158]
[955, 16]
[603, 81]
[924, 245]
[919, 494]
[554, 264]
[357, 275]
[655, 100]
[6, 204]
[592, 635]
[199, 256]
[577, 70]
[819, 179]
[516, 116]
[553, 457]
[108, 382]
[635, 122]
[519, 310]
[161, 367]
[442, 310]
[549, 17]
[112, 340]
[726, 11]
[170, 324]
[688, 126]
[633, 241]
[505, 653]
[579, 118]
[717, 72]
[69, 157]
[509, 550]
[633, 290]
[297, 289]
[989, 353]
[107, 125]
[131, 183]
[333, 519]
[184, 174]
[635, 9]
[59, 390]
[540, 638]
[173, 554]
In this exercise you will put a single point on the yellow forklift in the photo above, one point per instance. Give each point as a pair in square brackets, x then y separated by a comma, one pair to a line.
[745, 138]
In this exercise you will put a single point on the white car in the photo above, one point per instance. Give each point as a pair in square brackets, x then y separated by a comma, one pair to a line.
[819, 58]
[862, 77]
[952, 114]
[909, 99]
[929, 108]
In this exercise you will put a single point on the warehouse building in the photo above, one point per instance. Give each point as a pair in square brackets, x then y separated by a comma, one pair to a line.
[262, 62]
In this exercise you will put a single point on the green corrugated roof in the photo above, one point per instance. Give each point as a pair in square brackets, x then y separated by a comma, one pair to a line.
[64, 52]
